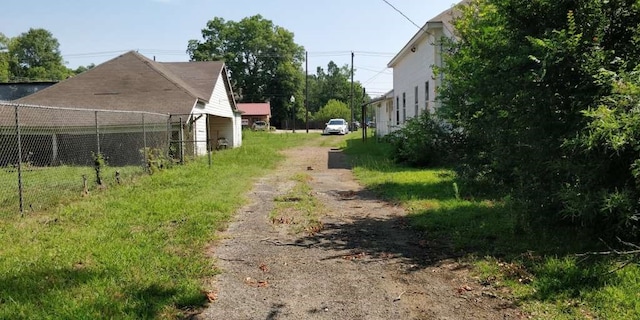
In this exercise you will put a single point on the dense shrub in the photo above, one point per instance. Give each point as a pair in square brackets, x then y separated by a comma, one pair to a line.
[425, 141]
[544, 92]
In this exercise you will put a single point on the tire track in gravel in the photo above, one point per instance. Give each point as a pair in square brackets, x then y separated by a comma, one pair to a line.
[364, 264]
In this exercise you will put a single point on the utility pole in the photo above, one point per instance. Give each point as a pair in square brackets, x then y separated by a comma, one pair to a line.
[306, 89]
[351, 124]
[363, 116]
[293, 113]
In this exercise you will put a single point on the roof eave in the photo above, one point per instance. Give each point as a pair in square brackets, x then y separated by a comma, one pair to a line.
[421, 34]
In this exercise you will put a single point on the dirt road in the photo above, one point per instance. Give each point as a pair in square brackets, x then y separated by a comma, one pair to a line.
[364, 264]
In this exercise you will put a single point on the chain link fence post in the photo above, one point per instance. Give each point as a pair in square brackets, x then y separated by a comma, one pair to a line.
[19, 142]
[208, 144]
[181, 142]
[97, 135]
[145, 155]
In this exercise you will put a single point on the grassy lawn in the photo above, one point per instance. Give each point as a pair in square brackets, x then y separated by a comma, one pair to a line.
[536, 267]
[134, 251]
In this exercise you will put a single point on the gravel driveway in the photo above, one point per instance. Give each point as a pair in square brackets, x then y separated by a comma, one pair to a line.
[364, 264]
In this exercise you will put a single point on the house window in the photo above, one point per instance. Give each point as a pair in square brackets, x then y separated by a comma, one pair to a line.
[426, 95]
[404, 107]
[397, 110]
[416, 106]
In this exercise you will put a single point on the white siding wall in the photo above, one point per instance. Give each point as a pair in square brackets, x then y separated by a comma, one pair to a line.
[416, 69]
[223, 123]
[384, 117]
[237, 130]
[438, 47]
[219, 104]
[200, 135]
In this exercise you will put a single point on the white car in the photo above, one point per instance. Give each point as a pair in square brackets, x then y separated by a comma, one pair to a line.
[336, 126]
[260, 125]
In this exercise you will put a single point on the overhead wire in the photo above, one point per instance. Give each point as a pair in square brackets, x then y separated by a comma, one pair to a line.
[402, 13]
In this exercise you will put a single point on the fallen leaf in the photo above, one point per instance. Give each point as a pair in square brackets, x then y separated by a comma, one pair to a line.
[464, 289]
[211, 296]
[354, 256]
[264, 268]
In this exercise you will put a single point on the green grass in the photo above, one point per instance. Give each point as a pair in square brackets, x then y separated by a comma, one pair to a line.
[45, 187]
[132, 251]
[536, 265]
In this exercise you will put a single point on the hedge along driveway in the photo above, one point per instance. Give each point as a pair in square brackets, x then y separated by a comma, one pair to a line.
[131, 251]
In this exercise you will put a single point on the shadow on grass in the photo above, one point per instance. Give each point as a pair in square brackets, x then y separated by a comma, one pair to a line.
[37, 287]
[444, 226]
[148, 302]
[442, 190]
[32, 285]
[337, 160]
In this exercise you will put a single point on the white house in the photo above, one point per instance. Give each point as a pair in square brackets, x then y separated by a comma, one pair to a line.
[383, 111]
[193, 93]
[414, 82]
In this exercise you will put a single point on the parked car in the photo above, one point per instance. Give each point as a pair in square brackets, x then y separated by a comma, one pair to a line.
[336, 126]
[260, 125]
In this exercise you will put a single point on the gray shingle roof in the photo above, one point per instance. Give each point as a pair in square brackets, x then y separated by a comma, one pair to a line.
[135, 83]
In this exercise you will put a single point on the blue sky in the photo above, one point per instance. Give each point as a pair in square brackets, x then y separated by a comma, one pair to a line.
[98, 30]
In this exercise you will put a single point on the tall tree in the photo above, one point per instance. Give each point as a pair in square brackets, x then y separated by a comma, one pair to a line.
[82, 69]
[4, 58]
[333, 109]
[35, 55]
[264, 61]
[334, 84]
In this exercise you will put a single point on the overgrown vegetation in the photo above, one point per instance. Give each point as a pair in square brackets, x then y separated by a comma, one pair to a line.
[425, 141]
[99, 163]
[538, 268]
[156, 159]
[332, 110]
[133, 251]
[542, 98]
[299, 207]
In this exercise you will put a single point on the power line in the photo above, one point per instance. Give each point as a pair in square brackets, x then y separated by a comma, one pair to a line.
[375, 76]
[372, 70]
[404, 15]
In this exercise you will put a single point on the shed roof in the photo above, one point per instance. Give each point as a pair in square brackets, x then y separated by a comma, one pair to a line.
[255, 109]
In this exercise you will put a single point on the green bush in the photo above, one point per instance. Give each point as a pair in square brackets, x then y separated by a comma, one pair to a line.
[425, 141]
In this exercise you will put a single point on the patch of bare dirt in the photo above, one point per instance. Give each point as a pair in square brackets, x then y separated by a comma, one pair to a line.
[365, 263]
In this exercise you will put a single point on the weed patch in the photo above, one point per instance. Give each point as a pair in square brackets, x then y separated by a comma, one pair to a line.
[299, 207]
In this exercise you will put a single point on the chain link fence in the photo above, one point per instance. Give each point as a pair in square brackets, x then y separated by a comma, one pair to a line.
[48, 154]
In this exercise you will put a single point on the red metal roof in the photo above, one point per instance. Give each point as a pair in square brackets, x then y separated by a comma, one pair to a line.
[255, 109]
